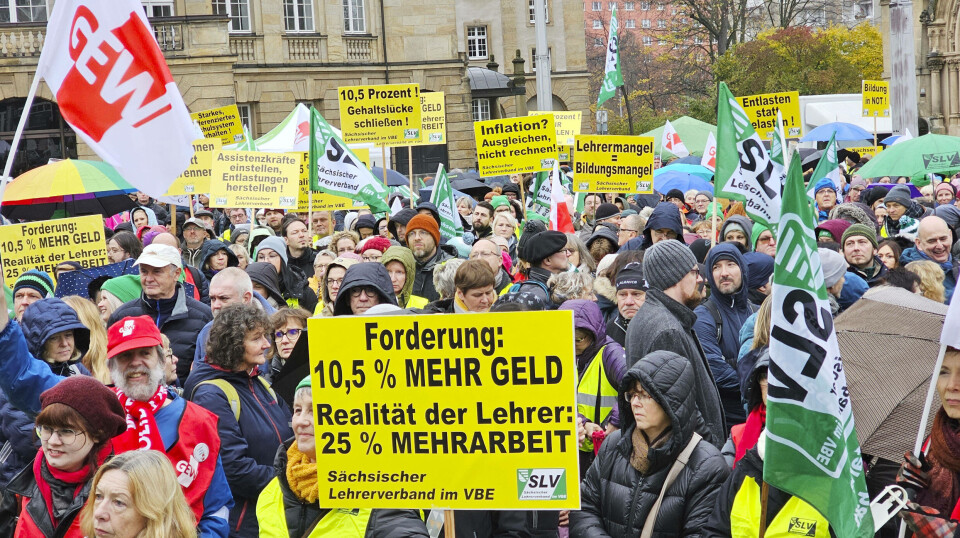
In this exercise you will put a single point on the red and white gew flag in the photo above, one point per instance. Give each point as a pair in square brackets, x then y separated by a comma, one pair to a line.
[709, 159]
[671, 141]
[113, 87]
[559, 212]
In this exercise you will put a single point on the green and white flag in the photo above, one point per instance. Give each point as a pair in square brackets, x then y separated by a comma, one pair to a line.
[778, 146]
[442, 197]
[812, 450]
[248, 144]
[336, 170]
[539, 201]
[745, 170]
[612, 79]
[828, 167]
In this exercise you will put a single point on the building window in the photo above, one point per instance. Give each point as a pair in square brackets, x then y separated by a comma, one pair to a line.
[298, 15]
[477, 42]
[533, 11]
[596, 6]
[597, 24]
[660, 6]
[481, 109]
[237, 10]
[631, 23]
[354, 20]
[628, 6]
[661, 23]
[661, 42]
[23, 10]
[597, 42]
[157, 8]
[246, 117]
[645, 23]
[533, 56]
[647, 41]
[613, 6]
[644, 6]
[697, 40]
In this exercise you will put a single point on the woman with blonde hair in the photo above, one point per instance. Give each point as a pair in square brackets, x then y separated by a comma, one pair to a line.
[137, 494]
[505, 226]
[931, 279]
[95, 358]
[579, 255]
[344, 241]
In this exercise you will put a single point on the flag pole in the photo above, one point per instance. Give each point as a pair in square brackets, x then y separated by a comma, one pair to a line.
[191, 205]
[410, 161]
[449, 529]
[874, 129]
[173, 218]
[764, 493]
[27, 105]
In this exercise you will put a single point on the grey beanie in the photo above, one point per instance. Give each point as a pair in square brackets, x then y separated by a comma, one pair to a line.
[275, 244]
[899, 194]
[666, 263]
[708, 194]
[834, 266]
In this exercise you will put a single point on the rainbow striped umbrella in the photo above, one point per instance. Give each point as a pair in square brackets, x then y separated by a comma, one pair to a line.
[68, 187]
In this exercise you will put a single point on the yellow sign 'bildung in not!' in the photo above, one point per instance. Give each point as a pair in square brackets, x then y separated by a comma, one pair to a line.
[223, 123]
[456, 411]
[875, 96]
[196, 178]
[608, 163]
[762, 112]
[255, 179]
[516, 145]
[45, 244]
[386, 115]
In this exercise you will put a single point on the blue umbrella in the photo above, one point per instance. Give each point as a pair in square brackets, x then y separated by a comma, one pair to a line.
[890, 140]
[692, 169]
[844, 131]
[678, 180]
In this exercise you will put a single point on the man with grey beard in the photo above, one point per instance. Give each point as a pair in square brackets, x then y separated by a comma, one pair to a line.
[157, 418]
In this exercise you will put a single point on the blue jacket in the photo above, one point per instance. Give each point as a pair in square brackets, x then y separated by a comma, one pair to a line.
[211, 247]
[950, 268]
[201, 347]
[248, 446]
[734, 310]
[665, 215]
[23, 378]
[41, 321]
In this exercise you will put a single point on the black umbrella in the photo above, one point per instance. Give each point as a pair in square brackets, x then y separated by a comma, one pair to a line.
[79, 205]
[85, 282]
[472, 187]
[394, 178]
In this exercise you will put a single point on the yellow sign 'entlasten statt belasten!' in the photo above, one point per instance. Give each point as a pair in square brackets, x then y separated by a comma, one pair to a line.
[462, 411]
[196, 178]
[762, 112]
[610, 163]
[386, 114]
[516, 145]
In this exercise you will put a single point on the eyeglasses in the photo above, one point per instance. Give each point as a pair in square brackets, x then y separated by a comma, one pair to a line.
[369, 292]
[641, 396]
[487, 253]
[372, 257]
[629, 230]
[568, 251]
[580, 339]
[695, 271]
[292, 333]
[334, 281]
[66, 435]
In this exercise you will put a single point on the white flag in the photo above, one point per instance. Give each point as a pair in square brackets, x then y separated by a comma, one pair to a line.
[397, 206]
[102, 62]
[951, 324]
[906, 136]
[709, 159]
[671, 141]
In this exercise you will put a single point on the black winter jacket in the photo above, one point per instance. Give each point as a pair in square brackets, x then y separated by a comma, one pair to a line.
[423, 281]
[469, 524]
[616, 498]
[181, 327]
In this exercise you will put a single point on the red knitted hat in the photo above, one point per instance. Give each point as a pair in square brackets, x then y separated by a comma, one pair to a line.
[427, 223]
[375, 243]
[97, 404]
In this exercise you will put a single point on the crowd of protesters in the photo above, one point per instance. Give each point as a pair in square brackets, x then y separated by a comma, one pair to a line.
[149, 407]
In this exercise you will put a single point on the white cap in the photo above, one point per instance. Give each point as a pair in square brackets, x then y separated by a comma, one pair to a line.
[160, 256]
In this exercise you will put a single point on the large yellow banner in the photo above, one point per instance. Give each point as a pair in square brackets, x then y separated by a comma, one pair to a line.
[610, 163]
[196, 178]
[255, 179]
[463, 411]
[516, 145]
[223, 123]
[433, 117]
[45, 244]
[875, 97]
[762, 111]
[866, 150]
[568, 124]
[387, 114]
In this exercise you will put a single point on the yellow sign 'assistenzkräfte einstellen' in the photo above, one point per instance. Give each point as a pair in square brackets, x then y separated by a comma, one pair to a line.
[255, 179]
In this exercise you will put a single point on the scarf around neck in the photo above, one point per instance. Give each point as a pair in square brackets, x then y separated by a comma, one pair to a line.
[944, 455]
[751, 431]
[142, 431]
[302, 475]
[48, 477]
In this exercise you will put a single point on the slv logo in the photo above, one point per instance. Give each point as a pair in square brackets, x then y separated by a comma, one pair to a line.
[802, 527]
[941, 160]
[541, 484]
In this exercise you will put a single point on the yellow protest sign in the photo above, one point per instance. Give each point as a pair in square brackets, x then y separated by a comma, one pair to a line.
[608, 163]
[321, 201]
[433, 117]
[196, 178]
[516, 145]
[455, 411]
[223, 123]
[866, 150]
[875, 96]
[568, 125]
[387, 114]
[255, 179]
[762, 111]
[45, 244]
[363, 154]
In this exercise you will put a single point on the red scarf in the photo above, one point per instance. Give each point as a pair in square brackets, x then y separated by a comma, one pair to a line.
[142, 431]
[78, 477]
[751, 431]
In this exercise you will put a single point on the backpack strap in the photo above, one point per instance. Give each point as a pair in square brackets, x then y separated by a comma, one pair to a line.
[266, 386]
[717, 320]
[675, 469]
[229, 391]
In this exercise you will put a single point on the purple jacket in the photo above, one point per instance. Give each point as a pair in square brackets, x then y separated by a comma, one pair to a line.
[587, 316]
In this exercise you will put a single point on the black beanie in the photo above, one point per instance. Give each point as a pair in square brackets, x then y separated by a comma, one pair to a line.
[631, 277]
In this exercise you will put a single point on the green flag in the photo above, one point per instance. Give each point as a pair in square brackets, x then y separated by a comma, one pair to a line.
[827, 167]
[248, 144]
[778, 146]
[336, 170]
[811, 449]
[539, 201]
[612, 79]
[442, 197]
[745, 170]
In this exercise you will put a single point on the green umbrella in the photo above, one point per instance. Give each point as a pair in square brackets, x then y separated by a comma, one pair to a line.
[692, 131]
[917, 157]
